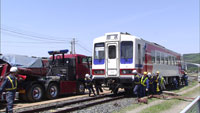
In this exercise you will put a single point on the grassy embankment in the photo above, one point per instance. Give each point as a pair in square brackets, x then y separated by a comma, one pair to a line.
[169, 103]
[161, 107]
[192, 58]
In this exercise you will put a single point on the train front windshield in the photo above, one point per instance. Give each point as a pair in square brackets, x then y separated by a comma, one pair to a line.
[99, 53]
[126, 52]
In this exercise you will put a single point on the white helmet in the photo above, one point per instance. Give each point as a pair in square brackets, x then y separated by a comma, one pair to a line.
[87, 75]
[13, 69]
[134, 71]
[149, 74]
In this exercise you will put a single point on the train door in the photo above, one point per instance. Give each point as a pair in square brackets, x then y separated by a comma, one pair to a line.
[112, 60]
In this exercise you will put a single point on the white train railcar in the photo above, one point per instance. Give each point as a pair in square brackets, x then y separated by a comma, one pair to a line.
[116, 55]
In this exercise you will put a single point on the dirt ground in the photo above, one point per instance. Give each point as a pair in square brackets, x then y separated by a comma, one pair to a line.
[175, 109]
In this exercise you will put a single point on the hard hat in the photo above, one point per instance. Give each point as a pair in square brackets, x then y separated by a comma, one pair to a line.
[145, 73]
[13, 69]
[157, 72]
[134, 71]
[87, 75]
[149, 74]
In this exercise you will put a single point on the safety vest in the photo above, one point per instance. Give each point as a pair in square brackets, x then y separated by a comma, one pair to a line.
[144, 81]
[13, 87]
[137, 82]
[157, 79]
[162, 80]
[151, 80]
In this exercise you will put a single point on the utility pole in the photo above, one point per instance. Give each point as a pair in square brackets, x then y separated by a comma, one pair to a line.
[73, 46]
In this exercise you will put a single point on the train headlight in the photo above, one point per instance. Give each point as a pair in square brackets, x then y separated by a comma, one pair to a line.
[126, 71]
[98, 72]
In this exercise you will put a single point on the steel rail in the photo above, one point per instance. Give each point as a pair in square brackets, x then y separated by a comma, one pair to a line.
[86, 105]
[38, 108]
[59, 104]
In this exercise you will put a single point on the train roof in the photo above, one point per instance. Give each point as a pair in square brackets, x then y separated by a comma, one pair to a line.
[103, 39]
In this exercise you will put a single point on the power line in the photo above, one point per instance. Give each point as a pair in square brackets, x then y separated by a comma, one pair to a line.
[32, 42]
[31, 46]
[30, 32]
[31, 36]
[84, 48]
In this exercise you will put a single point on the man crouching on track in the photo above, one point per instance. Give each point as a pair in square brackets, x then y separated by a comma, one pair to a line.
[10, 86]
[144, 84]
[136, 82]
[89, 85]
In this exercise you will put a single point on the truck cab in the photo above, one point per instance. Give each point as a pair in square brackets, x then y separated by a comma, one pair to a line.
[71, 70]
[64, 75]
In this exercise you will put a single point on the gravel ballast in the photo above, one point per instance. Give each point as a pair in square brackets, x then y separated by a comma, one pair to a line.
[109, 107]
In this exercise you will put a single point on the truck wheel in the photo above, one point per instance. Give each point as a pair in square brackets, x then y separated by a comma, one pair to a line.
[52, 91]
[80, 88]
[35, 93]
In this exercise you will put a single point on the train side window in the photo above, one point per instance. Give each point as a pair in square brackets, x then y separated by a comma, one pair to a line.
[143, 54]
[153, 57]
[170, 60]
[139, 54]
[157, 57]
[166, 59]
[176, 61]
[162, 58]
[173, 60]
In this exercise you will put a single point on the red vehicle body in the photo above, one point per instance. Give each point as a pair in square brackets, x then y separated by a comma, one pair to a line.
[4, 69]
[61, 74]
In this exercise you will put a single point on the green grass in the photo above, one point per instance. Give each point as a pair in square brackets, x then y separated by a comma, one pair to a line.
[168, 103]
[160, 107]
[191, 84]
[193, 58]
[133, 106]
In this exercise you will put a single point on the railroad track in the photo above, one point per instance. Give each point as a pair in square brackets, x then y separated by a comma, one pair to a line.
[60, 105]
[68, 105]
[86, 104]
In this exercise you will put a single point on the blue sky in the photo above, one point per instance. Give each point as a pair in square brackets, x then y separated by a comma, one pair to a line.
[33, 27]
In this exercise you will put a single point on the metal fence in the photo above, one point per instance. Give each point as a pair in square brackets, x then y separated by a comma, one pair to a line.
[193, 107]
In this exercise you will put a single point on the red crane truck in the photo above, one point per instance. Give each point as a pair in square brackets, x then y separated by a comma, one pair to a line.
[62, 74]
